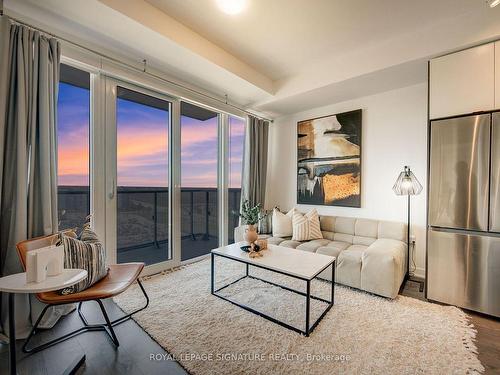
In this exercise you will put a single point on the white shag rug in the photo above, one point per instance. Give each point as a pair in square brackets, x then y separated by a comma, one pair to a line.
[361, 334]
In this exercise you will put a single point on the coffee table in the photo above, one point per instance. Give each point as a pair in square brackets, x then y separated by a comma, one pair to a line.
[298, 264]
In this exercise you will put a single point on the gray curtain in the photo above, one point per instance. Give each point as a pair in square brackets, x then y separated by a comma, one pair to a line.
[253, 186]
[29, 80]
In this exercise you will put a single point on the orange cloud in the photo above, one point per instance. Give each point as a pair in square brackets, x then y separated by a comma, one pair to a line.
[73, 160]
[131, 143]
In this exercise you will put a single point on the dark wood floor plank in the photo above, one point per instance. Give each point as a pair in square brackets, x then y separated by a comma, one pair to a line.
[131, 357]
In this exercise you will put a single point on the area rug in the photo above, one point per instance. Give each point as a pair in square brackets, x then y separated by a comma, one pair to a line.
[361, 334]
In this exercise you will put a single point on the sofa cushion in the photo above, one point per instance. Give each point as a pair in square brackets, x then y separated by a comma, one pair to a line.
[343, 237]
[366, 228]
[290, 243]
[360, 240]
[328, 235]
[313, 245]
[340, 245]
[392, 230]
[327, 223]
[345, 225]
[276, 240]
[348, 270]
[357, 248]
[329, 250]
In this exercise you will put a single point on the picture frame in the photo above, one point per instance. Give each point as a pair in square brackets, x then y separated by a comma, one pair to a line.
[329, 150]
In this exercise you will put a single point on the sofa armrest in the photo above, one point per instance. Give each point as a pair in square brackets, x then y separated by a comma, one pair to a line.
[383, 267]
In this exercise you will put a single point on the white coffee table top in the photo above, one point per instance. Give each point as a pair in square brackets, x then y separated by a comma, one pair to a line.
[17, 283]
[299, 263]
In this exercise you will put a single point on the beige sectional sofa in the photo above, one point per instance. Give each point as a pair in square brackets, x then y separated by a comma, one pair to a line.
[371, 254]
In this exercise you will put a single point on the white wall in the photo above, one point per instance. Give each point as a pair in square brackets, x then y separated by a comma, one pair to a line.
[394, 134]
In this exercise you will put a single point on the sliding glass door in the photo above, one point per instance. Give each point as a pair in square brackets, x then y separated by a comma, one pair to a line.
[142, 126]
[199, 181]
[138, 216]
[161, 177]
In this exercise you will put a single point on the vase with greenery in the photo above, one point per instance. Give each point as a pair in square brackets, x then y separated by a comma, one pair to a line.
[250, 216]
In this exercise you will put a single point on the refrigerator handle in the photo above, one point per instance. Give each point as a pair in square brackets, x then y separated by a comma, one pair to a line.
[494, 219]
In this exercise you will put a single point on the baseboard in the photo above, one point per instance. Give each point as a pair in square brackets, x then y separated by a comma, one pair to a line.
[194, 260]
[419, 272]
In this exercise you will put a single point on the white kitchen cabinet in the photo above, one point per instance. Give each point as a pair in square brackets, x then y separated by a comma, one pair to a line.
[463, 82]
[497, 75]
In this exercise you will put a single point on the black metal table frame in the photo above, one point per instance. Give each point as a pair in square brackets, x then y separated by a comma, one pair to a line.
[80, 359]
[70, 370]
[307, 294]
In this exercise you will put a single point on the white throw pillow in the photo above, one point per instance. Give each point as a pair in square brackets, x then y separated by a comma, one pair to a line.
[306, 227]
[282, 224]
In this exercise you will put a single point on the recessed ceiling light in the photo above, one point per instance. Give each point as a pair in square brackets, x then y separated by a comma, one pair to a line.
[233, 6]
[493, 3]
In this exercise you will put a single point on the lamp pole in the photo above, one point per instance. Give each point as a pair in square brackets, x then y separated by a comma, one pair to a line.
[407, 184]
[408, 240]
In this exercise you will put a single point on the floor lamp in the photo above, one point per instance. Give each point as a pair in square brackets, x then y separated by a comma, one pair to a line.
[408, 184]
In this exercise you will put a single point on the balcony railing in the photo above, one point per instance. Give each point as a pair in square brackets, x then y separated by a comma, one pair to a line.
[142, 218]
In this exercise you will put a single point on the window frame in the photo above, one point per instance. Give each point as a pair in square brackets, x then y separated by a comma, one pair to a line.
[101, 73]
[111, 176]
[89, 129]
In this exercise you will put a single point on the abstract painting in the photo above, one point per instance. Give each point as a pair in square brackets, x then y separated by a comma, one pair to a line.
[329, 160]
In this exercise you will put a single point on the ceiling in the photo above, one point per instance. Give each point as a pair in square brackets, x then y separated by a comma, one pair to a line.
[283, 37]
[278, 56]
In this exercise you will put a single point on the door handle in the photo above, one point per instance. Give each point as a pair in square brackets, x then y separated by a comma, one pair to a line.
[111, 193]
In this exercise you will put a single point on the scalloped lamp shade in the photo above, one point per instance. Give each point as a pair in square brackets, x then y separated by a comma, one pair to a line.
[407, 183]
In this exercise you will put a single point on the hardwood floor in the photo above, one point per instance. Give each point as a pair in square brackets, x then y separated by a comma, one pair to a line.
[133, 355]
[488, 332]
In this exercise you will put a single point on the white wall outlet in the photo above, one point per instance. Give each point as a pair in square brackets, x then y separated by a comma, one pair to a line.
[412, 238]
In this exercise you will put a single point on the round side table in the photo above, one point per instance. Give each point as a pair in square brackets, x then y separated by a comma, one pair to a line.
[16, 283]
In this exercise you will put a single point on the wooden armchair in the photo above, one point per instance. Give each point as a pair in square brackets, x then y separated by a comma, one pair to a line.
[118, 279]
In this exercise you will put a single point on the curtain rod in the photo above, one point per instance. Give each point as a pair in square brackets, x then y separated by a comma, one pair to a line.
[130, 66]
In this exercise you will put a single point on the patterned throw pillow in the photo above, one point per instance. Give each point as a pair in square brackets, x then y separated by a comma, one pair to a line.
[306, 227]
[314, 225]
[87, 253]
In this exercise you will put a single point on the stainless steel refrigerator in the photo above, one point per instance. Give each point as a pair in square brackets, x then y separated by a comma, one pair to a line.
[463, 248]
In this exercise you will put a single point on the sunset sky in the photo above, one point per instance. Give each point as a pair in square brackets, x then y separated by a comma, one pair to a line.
[142, 143]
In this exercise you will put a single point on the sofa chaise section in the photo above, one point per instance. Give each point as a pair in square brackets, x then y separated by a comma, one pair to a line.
[371, 254]
[383, 267]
